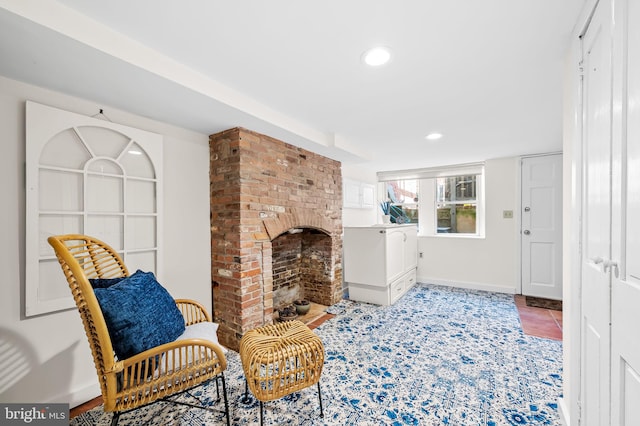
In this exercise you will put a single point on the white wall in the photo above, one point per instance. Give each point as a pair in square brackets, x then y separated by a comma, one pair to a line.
[47, 358]
[487, 263]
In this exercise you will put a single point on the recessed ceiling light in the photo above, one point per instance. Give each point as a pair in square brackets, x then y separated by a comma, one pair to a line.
[377, 56]
[433, 136]
[134, 152]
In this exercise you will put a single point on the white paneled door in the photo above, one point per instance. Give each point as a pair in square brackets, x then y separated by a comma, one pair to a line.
[541, 233]
[596, 220]
[624, 266]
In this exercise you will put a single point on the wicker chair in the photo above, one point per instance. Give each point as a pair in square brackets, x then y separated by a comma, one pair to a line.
[280, 359]
[152, 375]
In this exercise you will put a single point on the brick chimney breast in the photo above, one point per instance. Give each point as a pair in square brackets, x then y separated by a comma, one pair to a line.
[262, 190]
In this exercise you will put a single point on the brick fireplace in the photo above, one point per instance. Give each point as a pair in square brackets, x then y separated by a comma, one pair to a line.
[276, 225]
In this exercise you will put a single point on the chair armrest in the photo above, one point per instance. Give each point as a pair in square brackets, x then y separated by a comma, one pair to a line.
[192, 311]
[203, 350]
[167, 364]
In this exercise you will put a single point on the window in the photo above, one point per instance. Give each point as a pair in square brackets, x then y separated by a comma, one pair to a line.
[456, 205]
[443, 201]
[403, 198]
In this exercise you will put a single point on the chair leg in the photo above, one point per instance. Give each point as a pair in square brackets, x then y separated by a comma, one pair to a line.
[320, 399]
[245, 399]
[114, 419]
[218, 389]
[261, 415]
[226, 402]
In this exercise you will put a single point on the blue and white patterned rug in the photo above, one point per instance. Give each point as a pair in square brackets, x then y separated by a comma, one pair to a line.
[439, 356]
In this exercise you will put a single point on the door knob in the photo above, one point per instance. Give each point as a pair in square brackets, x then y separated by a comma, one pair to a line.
[611, 264]
[526, 232]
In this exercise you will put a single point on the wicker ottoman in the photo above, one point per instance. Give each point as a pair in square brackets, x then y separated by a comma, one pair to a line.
[281, 359]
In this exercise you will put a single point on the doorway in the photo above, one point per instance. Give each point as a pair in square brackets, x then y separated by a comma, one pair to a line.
[541, 227]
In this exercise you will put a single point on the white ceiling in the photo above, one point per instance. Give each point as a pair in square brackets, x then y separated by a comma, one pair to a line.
[487, 74]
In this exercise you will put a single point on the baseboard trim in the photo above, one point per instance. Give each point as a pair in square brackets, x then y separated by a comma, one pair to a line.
[563, 410]
[81, 396]
[468, 285]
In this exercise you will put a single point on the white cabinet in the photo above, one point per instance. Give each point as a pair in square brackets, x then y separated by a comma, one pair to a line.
[380, 262]
[358, 195]
[367, 195]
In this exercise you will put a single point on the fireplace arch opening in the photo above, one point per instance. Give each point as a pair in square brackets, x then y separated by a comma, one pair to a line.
[301, 266]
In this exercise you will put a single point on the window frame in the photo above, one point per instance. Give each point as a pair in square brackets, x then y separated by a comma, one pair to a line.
[427, 199]
[44, 291]
[452, 205]
[385, 197]
[478, 201]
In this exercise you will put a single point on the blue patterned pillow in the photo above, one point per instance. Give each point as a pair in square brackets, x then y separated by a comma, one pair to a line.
[104, 282]
[140, 314]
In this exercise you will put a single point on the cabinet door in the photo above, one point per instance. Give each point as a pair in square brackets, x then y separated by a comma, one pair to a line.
[411, 248]
[395, 253]
[368, 196]
[364, 256]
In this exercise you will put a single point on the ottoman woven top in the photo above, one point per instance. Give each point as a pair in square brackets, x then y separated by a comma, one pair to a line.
[280, 359]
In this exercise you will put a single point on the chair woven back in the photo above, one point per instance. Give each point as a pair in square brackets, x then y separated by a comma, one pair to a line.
[82, 257]
[154, 373]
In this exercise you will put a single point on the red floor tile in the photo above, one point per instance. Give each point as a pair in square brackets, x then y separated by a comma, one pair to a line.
[539, 322]
[313, 324]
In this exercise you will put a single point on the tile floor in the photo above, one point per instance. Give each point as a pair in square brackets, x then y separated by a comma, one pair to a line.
[314, 321]
[539, 322]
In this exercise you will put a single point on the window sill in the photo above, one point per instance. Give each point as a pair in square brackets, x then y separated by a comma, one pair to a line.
[454, 236]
